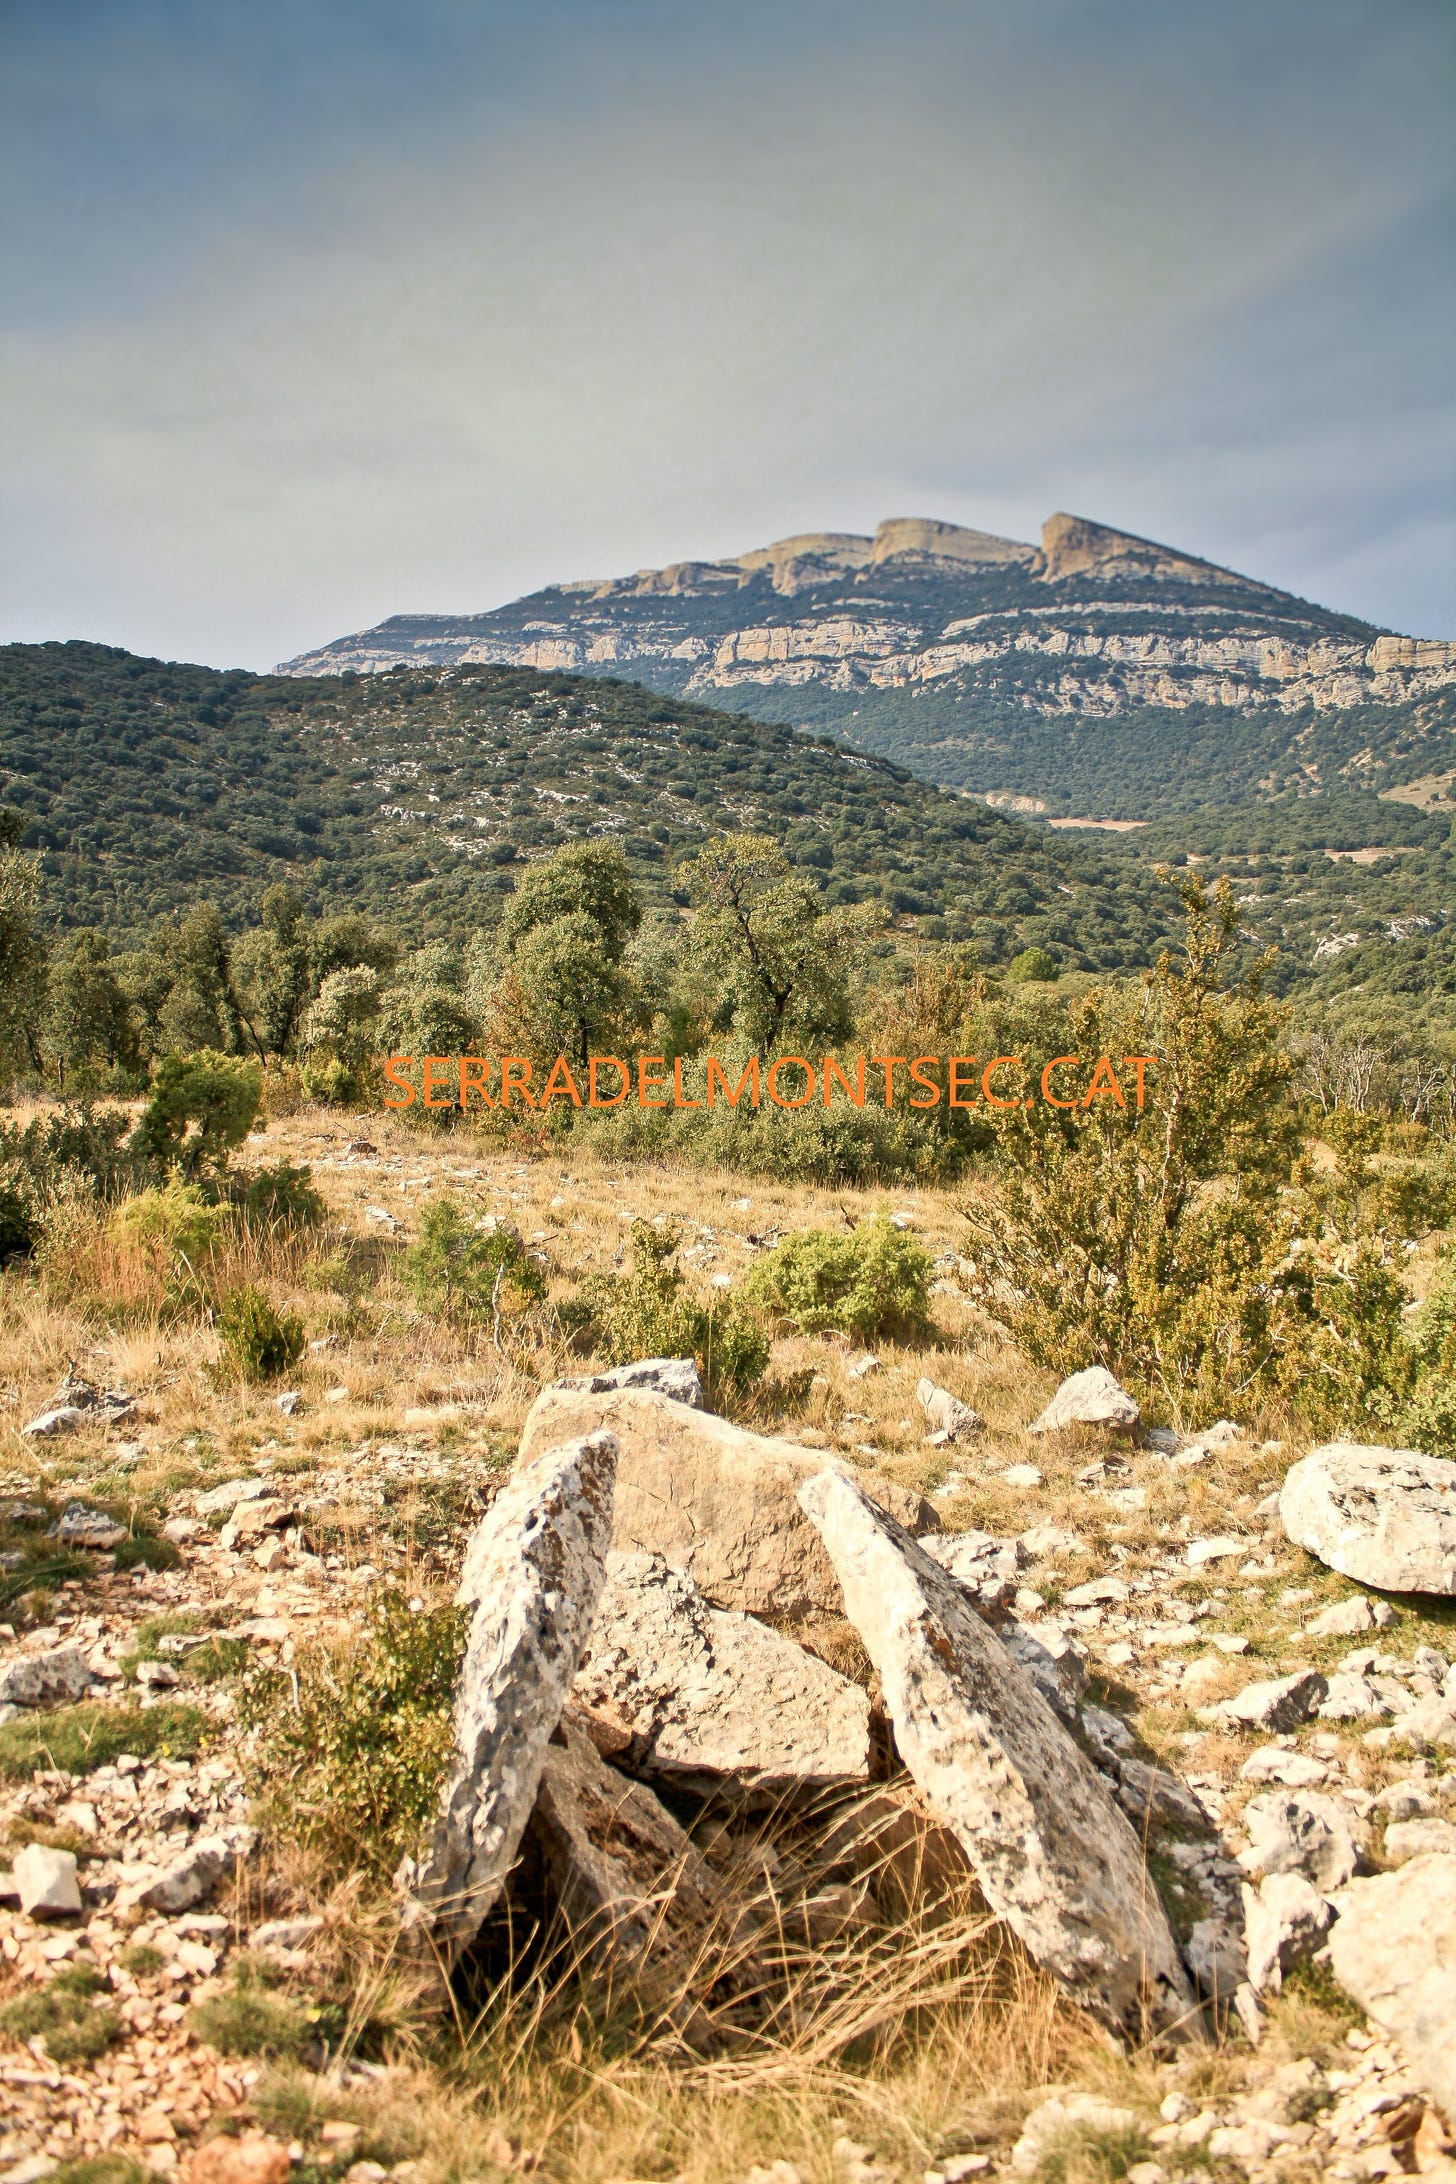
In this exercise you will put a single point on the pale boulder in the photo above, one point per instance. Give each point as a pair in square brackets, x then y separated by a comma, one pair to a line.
[1285, 1921]
[673, 1376]
[1393, 1948]
[697, 1694]
[46, 1881]
[533, 1573]
[52, 1678]
[947, 1418]
[1090, 1398]
[1382, 1516]
[1300, 1832]
[713, 1499]
[1054, 1856]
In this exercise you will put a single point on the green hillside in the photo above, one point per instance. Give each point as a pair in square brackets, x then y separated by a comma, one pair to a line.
[416, 795]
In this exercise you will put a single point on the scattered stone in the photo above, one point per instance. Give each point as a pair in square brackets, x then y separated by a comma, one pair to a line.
[1285, 1921]
[1059, 2122]
[46, 1881]
[946, 1416]
[1054, 1856]
[191, 1878]
[1199, 1551]
[1048, 1543]
[1345, 1620]
[861, 1367]
[1055, 1663]
[533, 1573]
[1281, 1703]
[157, 1676]
[91, 1529]
[615, 1862]
[285, 1933]
[1299, 1832]
[988, 1566]
[218, 1500]
[1407, 1839]
[696, 1694]
[676, 1377]
[255, 2159]
[714, 1499]
[1394, 1949]
[1022, 1475]
[1429, 1726]
[60, 1418]
[182, 1531]
[1151, 1793]
[1216, 1955]
[1357, 1698]
[1383, 1516]
[288, 1402]
[1296, 1770]
[1090, 1398]
[53, 1678]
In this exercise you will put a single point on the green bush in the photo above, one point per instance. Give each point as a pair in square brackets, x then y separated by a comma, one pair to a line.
[282, 1198]
[258, 1342]
[353, 1761]
[250, 2019]
[463, 1267]
[871, 1282]
[178, 1220]
[53, 1154]
[202, 1107]
[651, 1312]
[94, 1734]
[65, 2017]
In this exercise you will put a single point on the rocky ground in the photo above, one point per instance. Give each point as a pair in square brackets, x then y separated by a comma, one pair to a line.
[1279, 1736]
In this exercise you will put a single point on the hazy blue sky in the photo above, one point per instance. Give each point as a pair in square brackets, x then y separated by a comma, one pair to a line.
[321, 310]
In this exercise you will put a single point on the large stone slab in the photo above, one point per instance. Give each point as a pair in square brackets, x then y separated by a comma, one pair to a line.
[712, 1498]
[1090, 1398]
[1384, 1516]
[51, 1678]
[1054, 1855]
[1393, 1947]
[612, 1859]
[697, 1693]
[533, 1573]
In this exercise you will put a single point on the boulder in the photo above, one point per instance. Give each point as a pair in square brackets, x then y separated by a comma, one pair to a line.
[93, 1529]
[698, 1695]
[672, 1376]
[218, 1500]
[255, 2159]
[1054, 1856]
[1055, 1663]
[946, 1416]
[46, 1881]
[989, 1567]
[1299, 1832]
[613, 1860]
[712, 1498]
[533, 1573]
[1394, 1949]
[1277, 1705]
[1346, 1619]
[191, 1878]
[1217, 1956]
[1090, 1398]
[1383, 1516]
[1285, 1921]
[1430, 1726]
[1407, 1839]
[53, 1678]
[1150, 1794]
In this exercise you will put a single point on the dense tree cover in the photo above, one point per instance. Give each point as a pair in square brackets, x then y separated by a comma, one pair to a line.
[423, 798]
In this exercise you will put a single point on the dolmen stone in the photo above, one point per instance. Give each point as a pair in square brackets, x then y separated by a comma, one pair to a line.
[698, 1695]
[1383, 1516]
[712, 1498]
[533, 1573]
[1090, 1398]
[1393, 1947]
[1054, 1856]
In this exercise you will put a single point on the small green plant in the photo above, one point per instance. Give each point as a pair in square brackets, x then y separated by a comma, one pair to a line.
[65, 2017]
[282, 1198]
[145, 1551]
[202, 1107]
[651, 1312]
[102, 2169]
[258, 1342]
[465, 1265]
[251, 2019]
[142, 1960]
[353, 1758]
[79, 1738]
[871, 1282]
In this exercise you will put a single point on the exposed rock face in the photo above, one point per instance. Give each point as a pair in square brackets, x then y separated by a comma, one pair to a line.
[697, 1693]
[1090, 1398]
[1284, 1923]
[1073, 546]
[533, 1572]
[674, 1376]
[1278, 1704]
[53, 1678]
[614, 1860]
[1055, 1857]
[713, 1499]
[1384, 1516]
[1394, 1949]
[1303, 1833]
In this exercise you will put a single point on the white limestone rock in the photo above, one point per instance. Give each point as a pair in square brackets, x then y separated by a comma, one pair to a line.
[53, 1678]
[1382, 1516]
[676, 1377]
[1059, 2121]
[533, 1573]
[1300, 1832]
[698, 1694]
[947, 1418]
[191, 1878]
[46, 1881]
[1090, 1398]
[1407, 1839]
[1285, 1920]
[1054, 1856]
[1278, 1704]
[1394, 1949]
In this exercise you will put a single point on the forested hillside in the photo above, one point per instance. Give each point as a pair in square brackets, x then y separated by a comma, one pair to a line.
[419, 796]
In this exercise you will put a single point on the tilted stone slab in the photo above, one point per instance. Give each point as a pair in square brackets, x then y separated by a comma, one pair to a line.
[533, 1573]
[1393, 1947]
[697, 1694]
[1383, 1516]
[712, 1498]
[1054, 1856]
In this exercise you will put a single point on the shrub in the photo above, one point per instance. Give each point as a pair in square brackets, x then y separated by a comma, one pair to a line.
[65, 2017]
[651, 1312]
[872, 1282]
[355, 1760]
[178, 1222]
[202, 1107]
[78, 1738]
[468, 1265]
[54, 1155]
[249, 2019]
[258, 1342]
[282, 1198]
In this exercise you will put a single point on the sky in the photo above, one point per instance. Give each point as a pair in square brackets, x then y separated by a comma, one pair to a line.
[318, 311]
